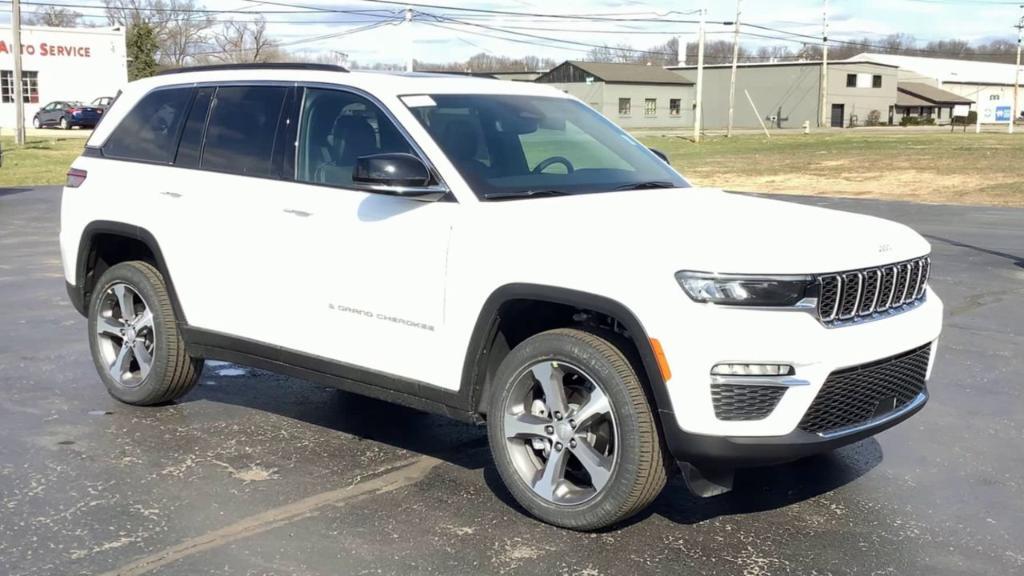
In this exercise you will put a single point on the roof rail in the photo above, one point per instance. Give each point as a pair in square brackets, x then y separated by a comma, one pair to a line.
[256, 66]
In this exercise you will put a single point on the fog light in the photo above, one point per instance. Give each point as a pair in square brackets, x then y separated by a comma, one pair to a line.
[752, 370]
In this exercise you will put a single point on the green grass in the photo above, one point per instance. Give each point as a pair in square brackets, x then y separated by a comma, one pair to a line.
[940, 167]
[43, 160]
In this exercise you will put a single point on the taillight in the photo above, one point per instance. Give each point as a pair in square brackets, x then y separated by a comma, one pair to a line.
[73, 110]
[75, 178]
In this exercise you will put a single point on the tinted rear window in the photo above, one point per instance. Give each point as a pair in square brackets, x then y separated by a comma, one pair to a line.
[242, 128]
[150, 131]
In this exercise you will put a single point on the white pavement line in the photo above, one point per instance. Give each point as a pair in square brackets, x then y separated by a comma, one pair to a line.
[400, 475]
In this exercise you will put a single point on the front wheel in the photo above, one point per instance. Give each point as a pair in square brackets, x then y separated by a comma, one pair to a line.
[36, 123]
[572, 432]
[134, 337]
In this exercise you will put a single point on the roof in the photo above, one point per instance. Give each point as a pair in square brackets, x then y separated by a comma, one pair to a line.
[614, 73]
[947, 69]
[929, 94]
[779, 64]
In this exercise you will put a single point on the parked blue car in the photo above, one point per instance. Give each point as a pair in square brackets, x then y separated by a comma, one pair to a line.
[67, 115]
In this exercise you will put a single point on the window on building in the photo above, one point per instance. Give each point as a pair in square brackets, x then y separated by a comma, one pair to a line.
[651, 107]
[150, 131]
[675, 106]
[625, 106]
[338, 127]
[851, 80]
[29, 86]
[876, 81]
[242, 128]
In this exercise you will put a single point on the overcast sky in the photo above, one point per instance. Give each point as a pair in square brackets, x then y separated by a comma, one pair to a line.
[925, 19]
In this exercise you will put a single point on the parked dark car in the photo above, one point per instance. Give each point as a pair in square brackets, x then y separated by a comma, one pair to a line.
[102, 103]
[66, 115]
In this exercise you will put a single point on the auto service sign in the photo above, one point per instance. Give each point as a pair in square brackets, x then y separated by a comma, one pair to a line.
[49, 49]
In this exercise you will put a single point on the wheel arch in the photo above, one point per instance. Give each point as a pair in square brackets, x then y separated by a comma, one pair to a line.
[129, 242]
[487, 347]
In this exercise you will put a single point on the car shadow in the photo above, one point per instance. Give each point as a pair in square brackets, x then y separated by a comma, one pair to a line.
[1018, 261]
[754, 490]
[13, 191]
[458, 443]
[465, 445]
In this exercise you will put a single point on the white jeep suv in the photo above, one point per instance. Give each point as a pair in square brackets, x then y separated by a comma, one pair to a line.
[495, 252]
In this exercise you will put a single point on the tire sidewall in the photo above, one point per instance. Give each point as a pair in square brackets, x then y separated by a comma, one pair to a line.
[36, 123]
[64, 124]
[130, 274]
[553, 346]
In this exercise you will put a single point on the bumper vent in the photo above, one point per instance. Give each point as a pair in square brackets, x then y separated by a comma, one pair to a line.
[745, 402]
[857, 294]
[855, 395]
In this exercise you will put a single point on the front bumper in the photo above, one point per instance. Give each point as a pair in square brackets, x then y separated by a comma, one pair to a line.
[746, 451]
[711, 335]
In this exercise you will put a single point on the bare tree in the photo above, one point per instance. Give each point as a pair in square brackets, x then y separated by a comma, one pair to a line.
[55, 16]
[242, 41]
[182, 29]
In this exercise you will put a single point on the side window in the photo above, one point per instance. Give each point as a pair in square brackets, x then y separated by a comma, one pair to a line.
[337, 128]
[242, 129]
[150, 131]
[195, 126]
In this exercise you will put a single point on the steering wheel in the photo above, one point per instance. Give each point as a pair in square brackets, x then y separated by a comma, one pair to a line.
[554, 160]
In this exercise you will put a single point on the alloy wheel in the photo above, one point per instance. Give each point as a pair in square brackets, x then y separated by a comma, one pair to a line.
[125, 335]
[560, 432]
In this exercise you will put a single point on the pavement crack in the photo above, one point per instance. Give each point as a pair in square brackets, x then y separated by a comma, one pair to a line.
[392, 478]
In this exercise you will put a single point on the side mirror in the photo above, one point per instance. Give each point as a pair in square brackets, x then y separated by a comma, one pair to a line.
[396, 174]
[661, 155]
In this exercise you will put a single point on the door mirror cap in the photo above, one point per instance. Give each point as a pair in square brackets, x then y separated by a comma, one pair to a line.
[661, 155]
[396, 174]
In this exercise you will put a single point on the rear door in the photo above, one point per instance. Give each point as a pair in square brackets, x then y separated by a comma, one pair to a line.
[229, 175]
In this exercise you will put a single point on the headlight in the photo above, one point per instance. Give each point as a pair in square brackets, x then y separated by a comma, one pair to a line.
[743, 290]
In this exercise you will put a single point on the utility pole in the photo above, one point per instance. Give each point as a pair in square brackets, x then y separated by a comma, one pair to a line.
[824, 68]
[735, 61]
[19, 89]
[1016, 72]
[409, 63]
[698, 103]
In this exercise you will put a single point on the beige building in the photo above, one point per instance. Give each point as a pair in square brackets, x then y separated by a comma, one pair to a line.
[988, 84]
[632, 95]
[787, 94]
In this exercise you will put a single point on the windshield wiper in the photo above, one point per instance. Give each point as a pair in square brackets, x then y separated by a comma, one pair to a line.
[648, 185]
[524, 194]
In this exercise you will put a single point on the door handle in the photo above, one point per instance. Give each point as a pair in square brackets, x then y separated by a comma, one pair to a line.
[299, 213]
[171, 194]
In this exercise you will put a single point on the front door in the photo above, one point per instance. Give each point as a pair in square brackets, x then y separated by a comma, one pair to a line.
[364, 273]
[838, 114]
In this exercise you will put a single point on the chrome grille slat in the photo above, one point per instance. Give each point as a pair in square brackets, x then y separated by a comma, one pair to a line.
[857, 295]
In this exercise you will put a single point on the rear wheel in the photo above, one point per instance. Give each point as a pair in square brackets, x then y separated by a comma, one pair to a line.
[134, 337]
[572, 432]
[64, 124]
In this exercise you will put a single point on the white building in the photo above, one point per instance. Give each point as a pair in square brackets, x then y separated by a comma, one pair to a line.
[988, 84]
[61, 64]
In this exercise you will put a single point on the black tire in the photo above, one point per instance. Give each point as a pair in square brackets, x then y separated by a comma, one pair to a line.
[173, 373]
[639, 473]
[36, 123]
[64, 124]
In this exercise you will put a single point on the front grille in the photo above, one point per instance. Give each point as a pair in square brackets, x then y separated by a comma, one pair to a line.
[855, 395]
[745, 402]
[848, 296]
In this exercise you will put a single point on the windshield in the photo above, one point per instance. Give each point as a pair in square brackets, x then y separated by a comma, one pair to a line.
[523, 146]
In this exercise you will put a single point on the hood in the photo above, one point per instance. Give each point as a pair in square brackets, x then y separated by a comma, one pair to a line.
[714, 231]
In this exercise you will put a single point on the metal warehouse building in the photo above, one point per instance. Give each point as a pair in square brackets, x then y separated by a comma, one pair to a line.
[787, 94]
[61, 64]
[989, 84]
[633, 95]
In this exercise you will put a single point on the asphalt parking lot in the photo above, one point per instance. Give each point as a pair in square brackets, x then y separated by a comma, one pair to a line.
[254, 473]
